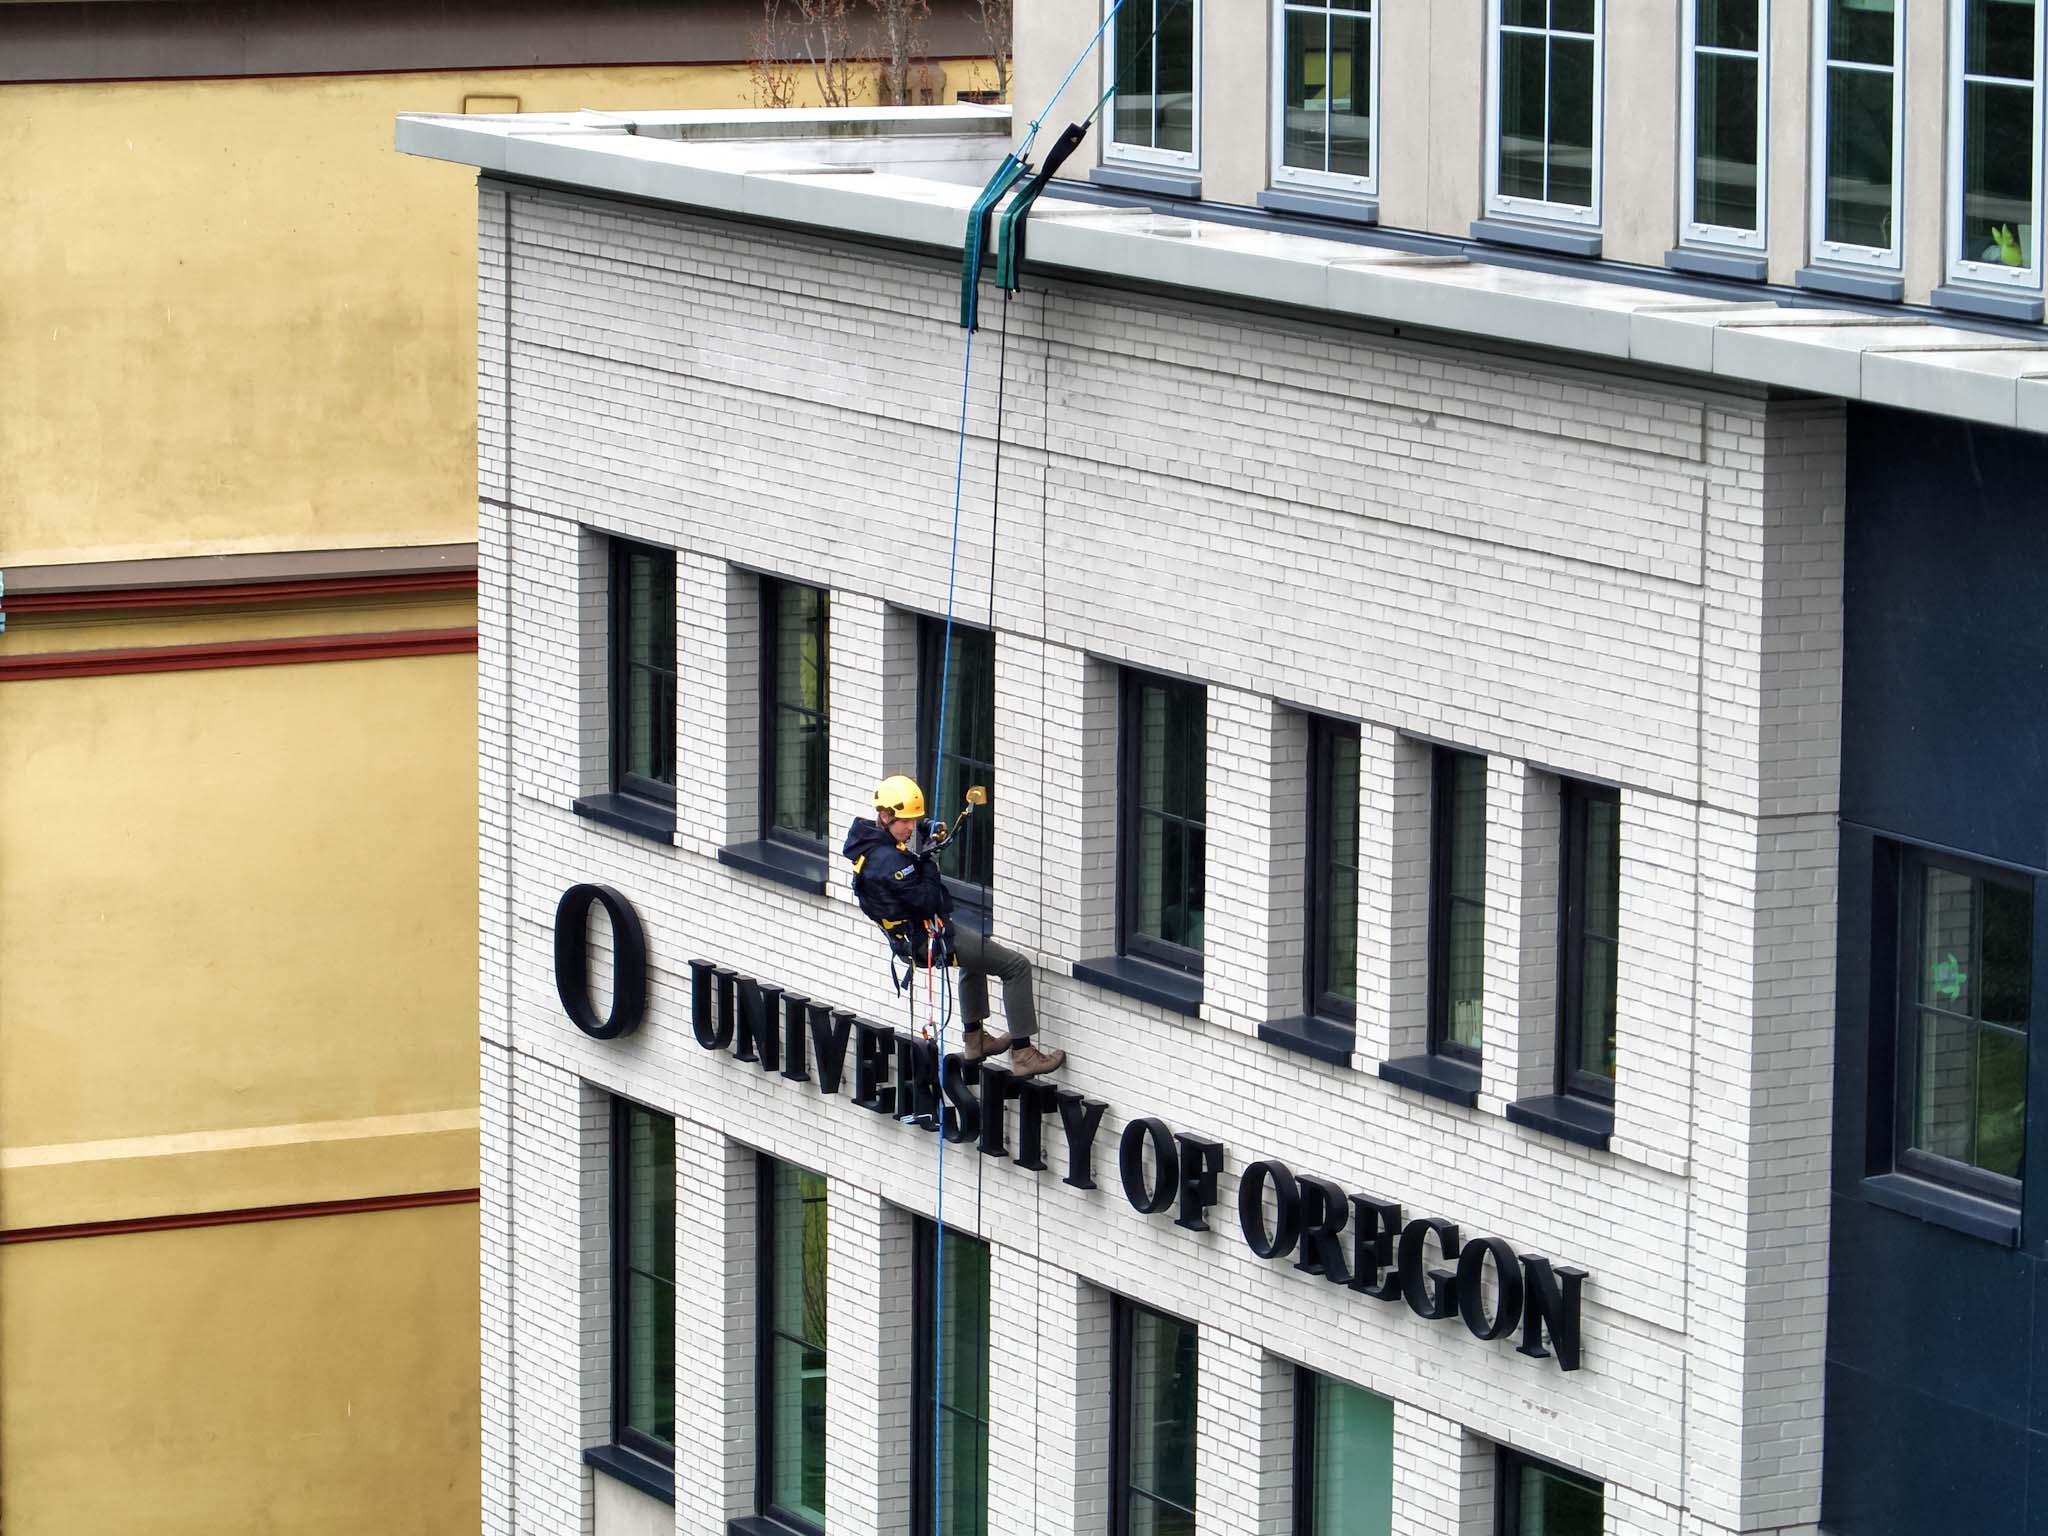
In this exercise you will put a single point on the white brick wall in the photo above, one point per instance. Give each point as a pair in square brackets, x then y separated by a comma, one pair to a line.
[1573, 572]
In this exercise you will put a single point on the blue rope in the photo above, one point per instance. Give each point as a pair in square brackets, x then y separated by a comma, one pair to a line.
[1053, 100]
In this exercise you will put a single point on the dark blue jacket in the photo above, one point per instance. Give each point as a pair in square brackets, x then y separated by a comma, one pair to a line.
[894, 885]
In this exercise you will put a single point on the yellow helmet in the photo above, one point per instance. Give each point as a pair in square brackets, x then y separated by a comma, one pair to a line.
[900, 797]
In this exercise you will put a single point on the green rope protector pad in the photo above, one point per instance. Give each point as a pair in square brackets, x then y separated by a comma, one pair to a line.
[975, 248]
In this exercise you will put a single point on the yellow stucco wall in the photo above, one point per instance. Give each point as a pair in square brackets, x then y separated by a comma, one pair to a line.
[309, 1376]
[235, 319]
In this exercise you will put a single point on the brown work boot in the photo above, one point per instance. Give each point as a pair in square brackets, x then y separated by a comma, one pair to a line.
[1027, 1060]
[979, 1042]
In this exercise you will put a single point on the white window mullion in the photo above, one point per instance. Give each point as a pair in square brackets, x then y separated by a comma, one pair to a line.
[1963, 263]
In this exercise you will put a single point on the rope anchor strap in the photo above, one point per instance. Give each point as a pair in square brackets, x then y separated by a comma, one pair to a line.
[1010, 234]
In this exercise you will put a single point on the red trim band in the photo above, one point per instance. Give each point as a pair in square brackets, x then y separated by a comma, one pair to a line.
[218, 594]
[289, 650]
[360, 1206]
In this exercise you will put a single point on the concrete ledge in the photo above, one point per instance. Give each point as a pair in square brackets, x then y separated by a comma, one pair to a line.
[1990, 303]
[1151, 183]
[1322, 1040]
[1873, 287]
[1321, 205]
[1732, 265]
[1943, 1207]
[1438, 1076]
[1554, 238]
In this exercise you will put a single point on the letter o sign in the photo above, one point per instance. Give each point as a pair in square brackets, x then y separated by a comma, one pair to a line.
[572, 961]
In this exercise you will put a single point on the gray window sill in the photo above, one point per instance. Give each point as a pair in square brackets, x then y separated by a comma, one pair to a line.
[1567, 1117]
[1876, 287]
[634, 1470]
[1320, 1039]
[1990, 303]
[1152, 183]
[1944, 1207]
[1321, 205]
[629, 813]
[1175, 991]
[1732, 265]
[1557, 239]
[801, 869]
[1439, 1076]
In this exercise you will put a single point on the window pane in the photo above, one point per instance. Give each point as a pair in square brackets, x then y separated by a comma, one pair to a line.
[1725, 141]
[1468, 826]
[1572, 84]
[1351, 1484]
[1571, 15]
[798, 1448]
[1944, 1098]
[963, 1430]
[1152, 838]
[1554, 1504]
[2001, 1101]
[644, 671]
[1350, 94]
[1152, 1519]
[1466, 959]
[1522, 82]
[1728, 23]
[649, 1213]
[1524, 13]
[2008, 957]
[799, 1242]
[650, 1357]
[1193, 875]
[1162, 1409]
[1304, 132]
[1998, 38]
[1342, 920]
[1176, 127]
[1596, 1009]
[1134, 74]
[1858, 210]
[1861, 30]
[800, 658]
[800, 744]
[1998, 174]
[1603, 867]
[1948, 923]
[965, 1318]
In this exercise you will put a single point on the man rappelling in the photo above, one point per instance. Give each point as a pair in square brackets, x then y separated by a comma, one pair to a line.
[900, 887]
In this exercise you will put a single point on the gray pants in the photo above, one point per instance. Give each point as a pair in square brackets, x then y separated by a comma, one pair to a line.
[980, 958]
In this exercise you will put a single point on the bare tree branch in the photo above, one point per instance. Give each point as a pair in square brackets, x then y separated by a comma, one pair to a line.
[902, 27]
[996, 16]
[771, 70]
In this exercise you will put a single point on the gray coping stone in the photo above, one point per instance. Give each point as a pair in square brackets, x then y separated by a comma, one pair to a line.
[1556, 239]
[1321, 205]
[1991, 303]
[1152, 183]
[1877, 287]
[1733, 265]
[1984, 384]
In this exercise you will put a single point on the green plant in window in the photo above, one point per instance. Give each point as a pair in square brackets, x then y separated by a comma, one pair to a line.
[1946, 978]
[2008, 246]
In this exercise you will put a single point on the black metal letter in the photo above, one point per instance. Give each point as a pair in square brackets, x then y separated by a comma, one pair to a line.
[1375, 1224]
[1472, 1296]
[959, 1077]
[572, 961]
[829, 1028]
[1251, 1209]
[1201, 1160]
[998, 1087]
[1432, 1294]
[1323, 1209]
[1130, 1160]
[1550, 1304]
[1035, 1100]
[1080, 1119]
[873, 1046]
[793, 1008]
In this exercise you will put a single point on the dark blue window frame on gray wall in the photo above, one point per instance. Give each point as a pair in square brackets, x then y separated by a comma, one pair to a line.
[1153, 1444]
[643, 1282]
[790, 1424]
[643, 672]
[1330, 983]
[968, 861]
[1589, 941]
[965, 1403]
[1162, 800]
[1534, 1498]
[1457, 904]
[796, 672]
[1343, 1458]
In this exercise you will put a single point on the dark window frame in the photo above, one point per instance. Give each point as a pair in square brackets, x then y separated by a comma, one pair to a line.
[1318, 1001]
[923, 1283]
[1575, 798]
[773, 706]
[1443, 773]
[1130, 941]
[1508, 1465]
[1123, 1340]
[931, 636]
[618, 622]
[765, 1334]
[1908, 863]
[635, 1442]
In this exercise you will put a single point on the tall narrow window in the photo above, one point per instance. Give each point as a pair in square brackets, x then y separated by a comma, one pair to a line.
[1344, 1459]
[1457, 914]
[643, 671]
[795, 665]
[1333, 870]
[959, 1333]
[1591, 934]
[968, 754]
[1165, 747]
[793, 1345]
[1546, 98]
[1965, 1001]
[1995, 142]
[643, 1282]
[1153, 59]
[1858, 66]
[1533, 1498]
[1724, 121]
[1326, 81]
[1154, 1462]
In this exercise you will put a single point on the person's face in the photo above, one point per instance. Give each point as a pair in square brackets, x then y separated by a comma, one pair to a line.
[902, 828]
